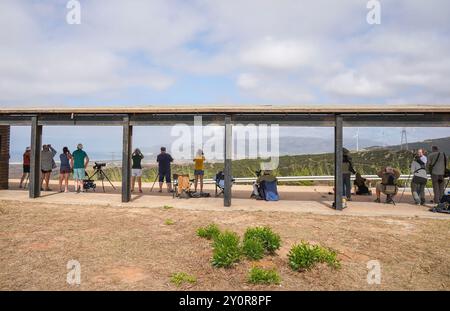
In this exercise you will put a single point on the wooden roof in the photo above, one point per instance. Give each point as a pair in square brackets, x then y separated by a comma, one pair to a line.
[230, 109]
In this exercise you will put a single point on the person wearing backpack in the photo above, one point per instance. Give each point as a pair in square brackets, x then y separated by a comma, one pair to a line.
[419, 179]
[437, 167]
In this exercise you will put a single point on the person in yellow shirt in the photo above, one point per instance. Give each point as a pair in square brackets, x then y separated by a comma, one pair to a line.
[199, 161]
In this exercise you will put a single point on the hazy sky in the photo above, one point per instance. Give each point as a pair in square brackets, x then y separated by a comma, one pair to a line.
[170, 52]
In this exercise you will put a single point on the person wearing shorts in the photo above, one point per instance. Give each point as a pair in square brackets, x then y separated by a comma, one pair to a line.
[64, 169]
[47, 165]
[79, 162]
[136, 169]
[26, 166]
[199, 169]
[164, 159]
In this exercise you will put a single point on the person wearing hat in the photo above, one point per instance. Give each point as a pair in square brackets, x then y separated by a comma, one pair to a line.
[26, 166]
[164, 159]
[79, 162]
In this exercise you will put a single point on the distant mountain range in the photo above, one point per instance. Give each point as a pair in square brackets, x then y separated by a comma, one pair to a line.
[288, 145]
[442, 143]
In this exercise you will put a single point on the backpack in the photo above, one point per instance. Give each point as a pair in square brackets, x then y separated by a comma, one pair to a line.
[270, 192]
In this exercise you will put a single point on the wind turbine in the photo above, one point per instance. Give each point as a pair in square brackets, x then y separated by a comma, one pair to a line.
[357, 139]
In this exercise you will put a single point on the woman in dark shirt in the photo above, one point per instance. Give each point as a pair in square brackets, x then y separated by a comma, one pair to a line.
[136, 169]
[64, 170]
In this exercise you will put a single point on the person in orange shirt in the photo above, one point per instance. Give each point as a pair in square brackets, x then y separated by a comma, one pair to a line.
[199, 169]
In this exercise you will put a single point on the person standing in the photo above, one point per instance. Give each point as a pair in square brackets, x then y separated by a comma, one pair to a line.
[199, 170]
[26, 166]
[436, 165]
[79, 163]
[419, 179]
[164, 159]
[64, 169]
[136, 169]
[47, 165]
[347, 171]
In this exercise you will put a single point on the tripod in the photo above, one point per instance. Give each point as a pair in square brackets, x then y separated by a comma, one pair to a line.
[404, 187]
[156, 178]
[102, 176]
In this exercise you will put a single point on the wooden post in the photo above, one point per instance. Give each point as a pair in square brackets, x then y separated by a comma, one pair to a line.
[338, 157]
[227, 161]
[35, 159]
[5, 133]
[126, 160]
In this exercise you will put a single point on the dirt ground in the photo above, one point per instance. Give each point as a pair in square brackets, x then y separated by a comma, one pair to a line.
[133, 249]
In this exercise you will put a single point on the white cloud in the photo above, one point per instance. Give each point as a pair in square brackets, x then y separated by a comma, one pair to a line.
[287, 50]
[277, 54]
[353, 84]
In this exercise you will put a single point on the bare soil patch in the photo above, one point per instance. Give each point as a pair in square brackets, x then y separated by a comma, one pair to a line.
[133, 249]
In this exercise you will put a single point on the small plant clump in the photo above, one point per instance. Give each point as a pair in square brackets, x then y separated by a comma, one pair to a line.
[270, 240]
[169, 222]
[180, 278]
[226, 249]
[253, 249]
[259, 275]
[209, 232]
[166, 207]
[304, 256]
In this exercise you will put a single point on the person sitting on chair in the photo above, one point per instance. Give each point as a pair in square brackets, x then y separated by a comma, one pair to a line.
[265, 176]
[388, 184]
[360, 184]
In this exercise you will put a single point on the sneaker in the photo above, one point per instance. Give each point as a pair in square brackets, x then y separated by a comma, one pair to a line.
[377, 200]
[66, 191]
[140, 190]
[389, 201]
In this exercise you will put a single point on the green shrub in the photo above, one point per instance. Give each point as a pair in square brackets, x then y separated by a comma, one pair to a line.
[270, 240]
[253, 249]
[258, 275]
[209, 232]
[181, 277]
[169, 222]
[166, 207]
[304, 256]
[226, 249]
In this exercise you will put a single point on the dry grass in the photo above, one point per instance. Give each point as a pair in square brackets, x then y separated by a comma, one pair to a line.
[134, 249]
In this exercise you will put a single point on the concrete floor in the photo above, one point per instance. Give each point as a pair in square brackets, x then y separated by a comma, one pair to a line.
[301, 199]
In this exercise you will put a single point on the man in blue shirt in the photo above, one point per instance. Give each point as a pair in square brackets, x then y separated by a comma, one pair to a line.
[164, 159]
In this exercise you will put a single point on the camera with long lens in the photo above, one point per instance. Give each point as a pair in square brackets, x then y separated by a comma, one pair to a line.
[99, 165]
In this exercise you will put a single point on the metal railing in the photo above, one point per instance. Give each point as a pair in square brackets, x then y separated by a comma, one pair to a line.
[244, 180]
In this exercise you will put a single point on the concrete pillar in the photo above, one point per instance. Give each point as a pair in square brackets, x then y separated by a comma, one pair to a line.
[338, 157]
[126, 160]
[4, 155]
[227, 161]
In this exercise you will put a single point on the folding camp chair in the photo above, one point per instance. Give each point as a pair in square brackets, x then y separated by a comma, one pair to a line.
[220, 183]
[390, 191]
[182, 186]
